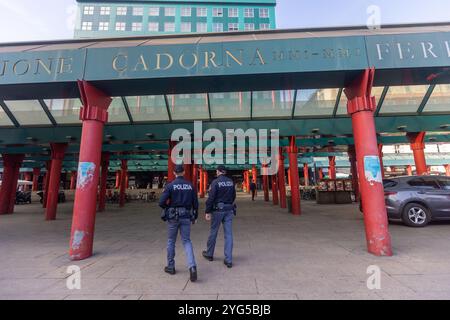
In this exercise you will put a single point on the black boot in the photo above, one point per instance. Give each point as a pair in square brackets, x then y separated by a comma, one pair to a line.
[170, 270]
[205, 255]
[228, 264]
[193, 272]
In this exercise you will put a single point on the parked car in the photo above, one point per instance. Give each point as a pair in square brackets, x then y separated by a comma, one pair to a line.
[417, 200]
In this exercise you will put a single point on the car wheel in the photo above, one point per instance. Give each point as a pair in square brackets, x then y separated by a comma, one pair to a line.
[416, 215]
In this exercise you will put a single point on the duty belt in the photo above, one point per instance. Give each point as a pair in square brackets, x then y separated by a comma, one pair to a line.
[224, 206]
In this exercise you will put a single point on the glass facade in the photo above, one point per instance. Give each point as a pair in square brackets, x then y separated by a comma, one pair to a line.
[105, 19]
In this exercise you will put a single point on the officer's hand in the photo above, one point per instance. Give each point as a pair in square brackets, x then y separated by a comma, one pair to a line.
[208, 217]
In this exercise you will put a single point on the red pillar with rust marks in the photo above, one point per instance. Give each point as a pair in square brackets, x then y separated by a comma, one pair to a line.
[293, 171]
[247, 180]
[195, 176]
[354, 171]
[103, 181]
[265, 183]
[73, 180]
[380, 154]
[447, 170]
[205, 181]
[306, 174]
[36, 173]
[274, 190]
[320, 171]
[54, 181]
[170, 163]
[94, 115]
[281, 179]
[11, 169]
[48, 166]
[201, 187]
[332, 167]
[361, 105]
[416, 140]
[123, 182]
[409, 170]
[254, 174]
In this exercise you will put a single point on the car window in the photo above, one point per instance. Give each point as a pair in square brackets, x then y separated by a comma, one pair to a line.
[445, 183]
[389, 183]
[423, 184]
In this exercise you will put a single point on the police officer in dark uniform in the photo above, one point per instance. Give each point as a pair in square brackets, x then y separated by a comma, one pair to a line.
[220, 209]
[180, 203]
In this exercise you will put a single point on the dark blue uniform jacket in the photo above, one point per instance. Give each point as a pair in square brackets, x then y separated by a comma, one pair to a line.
[179, 193]
[222, 190]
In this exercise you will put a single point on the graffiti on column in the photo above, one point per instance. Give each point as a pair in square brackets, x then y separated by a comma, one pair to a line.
[85, 174]
[372, 169]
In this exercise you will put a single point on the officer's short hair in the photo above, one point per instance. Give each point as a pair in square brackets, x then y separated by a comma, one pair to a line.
[179, 168]
[221, 169]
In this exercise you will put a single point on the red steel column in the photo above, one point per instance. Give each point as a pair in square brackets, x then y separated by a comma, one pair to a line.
[265, 183]
[195, 176]
[380, 154]
[202, 182]
[188, 172]
[11, 169]
[332, 167]
[170, 164]
[127, 180]
[48, 167]
[205, 181]
[73, 180]
[54, 181]
[123, 182]
[254, 174]
[36, 173]
[361, 106]
[354, 171]
[103, 181]
[293, 171]
[274, 190]
[320, 173]
[417, 143]
[281, 179]
[94, 114]
[247, 180]
[306, 174]
[447, 170]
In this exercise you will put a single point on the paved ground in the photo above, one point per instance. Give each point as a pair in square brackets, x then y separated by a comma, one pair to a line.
[320, 255]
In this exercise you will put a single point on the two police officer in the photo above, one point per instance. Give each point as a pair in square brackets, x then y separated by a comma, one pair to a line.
[220, 210]
[180, 203]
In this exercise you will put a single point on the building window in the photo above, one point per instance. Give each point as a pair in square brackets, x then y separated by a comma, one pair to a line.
[233, 12]
[233, 27]
[202, 27]
[136, 26]
[138, 11]
[186, 12]
[153, 26]
[249, 13]
[169, 12]
[103, 26]
[202, 12]
[264, 26]
[88, 10]
[264, 13]
[249, 26]
[217, 27]
[86, 26]
[217, 12]
[121, 11]
[153, 11]
[169, 27]
[105, 11]
[185, 27]
[120, 26]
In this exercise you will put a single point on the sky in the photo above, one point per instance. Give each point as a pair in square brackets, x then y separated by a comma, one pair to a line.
[26, 20]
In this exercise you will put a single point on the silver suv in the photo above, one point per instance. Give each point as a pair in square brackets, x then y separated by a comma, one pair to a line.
[417, 200]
